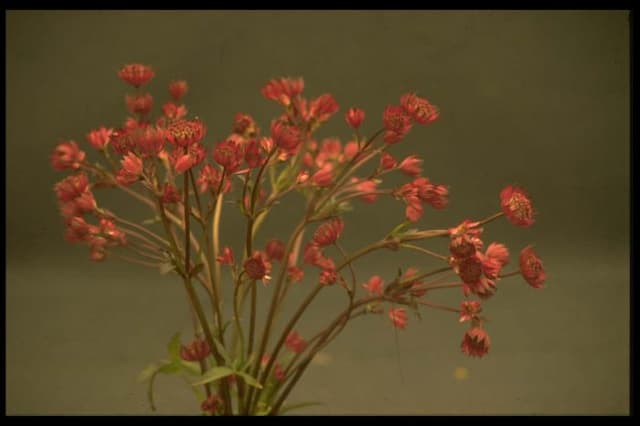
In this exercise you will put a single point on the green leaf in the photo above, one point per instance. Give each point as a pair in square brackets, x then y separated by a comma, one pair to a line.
[167, 267]
[248, 379]
[150, 373]
[215, 373]
[174, 347]
[298, 405]
[222, 351]
[192, 367]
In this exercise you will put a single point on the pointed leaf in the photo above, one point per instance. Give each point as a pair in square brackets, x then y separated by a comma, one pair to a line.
[192, 367]
[248, 379]
[174, 347]
[215, 373]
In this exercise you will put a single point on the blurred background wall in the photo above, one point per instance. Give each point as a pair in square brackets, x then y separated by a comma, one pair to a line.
[536, 98]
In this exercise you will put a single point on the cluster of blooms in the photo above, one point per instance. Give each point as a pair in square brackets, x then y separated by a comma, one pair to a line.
[257, 169]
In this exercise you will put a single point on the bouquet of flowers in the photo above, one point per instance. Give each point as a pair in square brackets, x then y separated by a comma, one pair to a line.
[234, 363]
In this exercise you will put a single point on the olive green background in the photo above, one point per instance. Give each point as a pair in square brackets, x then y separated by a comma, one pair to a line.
[539, 98]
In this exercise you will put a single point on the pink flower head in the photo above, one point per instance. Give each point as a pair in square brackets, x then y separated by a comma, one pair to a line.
[67, 155]
[139, 104]
[77, 229]
[411, 166]
[258, 266]
[226, 257]
[475, 342]
[136, 74]
[170, 194]
[211, 404]
[252, 154]
[351, 150]
[375, 286]
[209, 179]
[531, 268]
[112, 233]
[178, 89]
[173, 111]
[398, 317]
[516, 205]
[328, 276]
[354, 117]
[228, 154]
[283, 90]
[99, 138]
[328, 232]
[469, 310]
[419, 108]
[413, 210]
[324, 176]
[368, 189]
[186, 132]
[197, 350]
[322, 108]
[295, 274]
[244, 125]
[295, 343]
[396, 124]
[463, 246]
[470, 269]
[278, 372]
[286, 137]
[97, 254]
[151, 141]
[71, 187]
[275, 249]
[132, 164]
[494, 259]
[387, 162]
[183, 163]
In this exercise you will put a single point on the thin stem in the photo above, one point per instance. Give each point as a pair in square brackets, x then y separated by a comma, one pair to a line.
[491, 218]
[425, 251]
[136, 261]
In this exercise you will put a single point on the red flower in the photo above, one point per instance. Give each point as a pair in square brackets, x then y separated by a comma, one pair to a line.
[516, 205]
[295, 343]
[278, 372]
[99, 138]
[173, 111]
[177, 89]
[398, 317]
[211, 404]
[531, 268]
[132, 165]
[324, 176]
[67, 155]
[419, 108]
[71, 187]
[244, 125]
[139, 104]
[294, 274]
[228, 154]
[226, 258]
[186, 132]
[184, 163]
[411, 166]
[387, 162]
[170, 194]
[286, 137]
[136, 74]
[257, 266]
[209, 179]
[252, 154]
[496, 256]
[195, 351]
[77, 229]
[351, 150]
[374, 286]
[396, 124]
[275, 249]
[328, 276]
[475, 342]
[283, 90]
[368, 189]
[322, 108]
[354, 117]
[151, 141]
[328, 232]
[469, 310]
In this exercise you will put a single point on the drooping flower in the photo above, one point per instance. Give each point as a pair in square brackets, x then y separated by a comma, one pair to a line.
[495, 257]
[244, 125]
[411, 166]
[197, 350]
[375, 286]
[531, 268]
[178, 89]
[211, 404]
[136, 74]
[113, 235]
[516, 205]
[226, 257]
[286, 137]
[258, 266]
[476, 342]
[71, 187]
[396, 124]
[295, 274]
[67, 155]
[469, 310]
[322, 108]
[295, 343]
[387, 162]
[275, 249]
[419, 108]
[328, 276]
[324, 176]
[398, 317]
[131, 170]
[354, 117]
[228, 154]
[328, 232]
[99, 138]
[209, 179]
[139, 104]
[368, 189]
